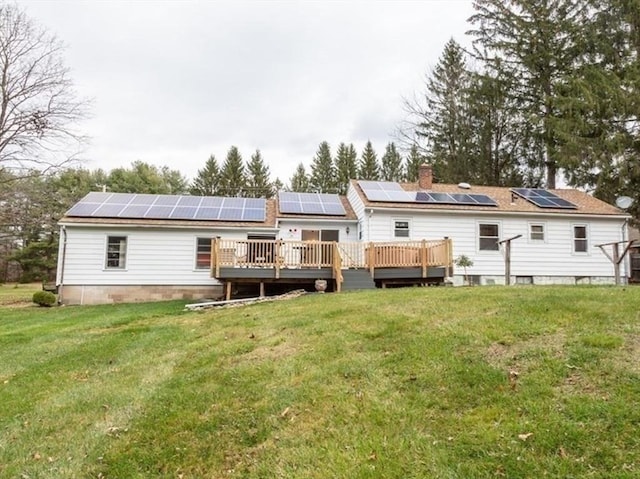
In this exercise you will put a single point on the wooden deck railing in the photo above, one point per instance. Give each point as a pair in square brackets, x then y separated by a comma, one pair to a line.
[279, 254]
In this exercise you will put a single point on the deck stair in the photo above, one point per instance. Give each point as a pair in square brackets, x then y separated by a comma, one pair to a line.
[354, 279]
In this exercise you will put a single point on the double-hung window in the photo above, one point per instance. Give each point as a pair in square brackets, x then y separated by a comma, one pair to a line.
[116, 252]
[203, 253]
[401, 228]
[488, 237]
[536, 232]
[580, 240]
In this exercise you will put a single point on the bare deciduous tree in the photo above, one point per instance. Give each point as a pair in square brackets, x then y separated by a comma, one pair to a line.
[38, 104]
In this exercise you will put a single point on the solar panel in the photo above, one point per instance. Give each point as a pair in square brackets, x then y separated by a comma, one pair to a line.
[145, 206]
[471, 199]
[310, 203]
[543, 198]
[388, 191]
[143, 199]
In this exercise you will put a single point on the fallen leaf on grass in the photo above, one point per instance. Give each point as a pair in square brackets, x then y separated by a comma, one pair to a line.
[524, 437]
[373, 456]
[284, 413]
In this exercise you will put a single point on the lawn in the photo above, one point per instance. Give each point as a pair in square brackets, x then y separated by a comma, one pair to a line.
[17, 294]
[399, 383]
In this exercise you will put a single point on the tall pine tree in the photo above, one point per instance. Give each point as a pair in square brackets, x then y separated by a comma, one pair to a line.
[538, 46]
[233, 180]
[207, 181]
[323, 173]
[346, 166]
[392, 169]
[368, 168]
[299, 182]
[258, 181]
[412, 167]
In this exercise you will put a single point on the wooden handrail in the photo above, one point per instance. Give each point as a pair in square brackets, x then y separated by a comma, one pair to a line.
[279, 254]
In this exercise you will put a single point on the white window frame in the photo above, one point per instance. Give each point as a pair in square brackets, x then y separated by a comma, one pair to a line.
[394, 223]
[574, 238]
[544, 232]
[197, 250]
[121, 255]
[488, 223]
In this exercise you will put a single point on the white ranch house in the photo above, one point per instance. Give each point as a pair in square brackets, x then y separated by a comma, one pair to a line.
[125, 247]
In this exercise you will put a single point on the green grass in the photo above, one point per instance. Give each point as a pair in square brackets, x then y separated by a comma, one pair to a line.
[12, 294]
[402, 383]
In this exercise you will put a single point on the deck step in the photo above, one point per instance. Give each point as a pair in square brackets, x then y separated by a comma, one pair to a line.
[357, 279]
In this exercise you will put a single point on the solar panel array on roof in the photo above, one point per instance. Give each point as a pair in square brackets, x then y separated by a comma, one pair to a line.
[455, 199]
[386, 191]
[310, 204]
[175, 207]
[543, 198]
[389, 191]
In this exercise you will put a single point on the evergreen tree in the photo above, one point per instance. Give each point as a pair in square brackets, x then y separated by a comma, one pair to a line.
[346, 166]
[299, 182]
[412, 167]
[538, 46]
[323, 174]
[233, 181]
[258, 181]
[392, 169]
[145, 178]
[277, 186]
[207, 181]
[442, 120]
[368, 169]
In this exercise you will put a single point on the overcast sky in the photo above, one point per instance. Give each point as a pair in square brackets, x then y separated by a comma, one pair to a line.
[173, 82]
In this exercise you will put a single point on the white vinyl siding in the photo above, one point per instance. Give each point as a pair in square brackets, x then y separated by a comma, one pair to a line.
[154, 256]
[550, 258]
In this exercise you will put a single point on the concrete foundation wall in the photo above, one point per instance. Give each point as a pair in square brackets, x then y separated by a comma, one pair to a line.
[459, 280]
[101, 294]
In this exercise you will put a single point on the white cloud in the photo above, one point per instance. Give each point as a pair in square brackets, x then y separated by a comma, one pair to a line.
[174, 82]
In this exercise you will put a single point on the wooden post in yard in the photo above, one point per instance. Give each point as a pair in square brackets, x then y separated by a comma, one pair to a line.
[228, 292]
[616, 258]
[507, 258]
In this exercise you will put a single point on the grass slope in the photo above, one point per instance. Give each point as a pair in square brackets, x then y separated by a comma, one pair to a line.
[401, 383]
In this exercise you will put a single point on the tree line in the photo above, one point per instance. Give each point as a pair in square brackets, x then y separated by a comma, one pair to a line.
[548, 91]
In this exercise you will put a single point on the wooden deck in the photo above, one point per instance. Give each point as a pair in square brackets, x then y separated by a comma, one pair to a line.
[261, 261]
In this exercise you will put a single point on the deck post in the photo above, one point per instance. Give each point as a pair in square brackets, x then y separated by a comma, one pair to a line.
[276, 258]
[337, 266]
[423, 258]
[215, 257]
[262, 289]
[371, 259]
[228, 290]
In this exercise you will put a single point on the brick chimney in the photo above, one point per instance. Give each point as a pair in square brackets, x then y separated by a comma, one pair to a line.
[425, 177]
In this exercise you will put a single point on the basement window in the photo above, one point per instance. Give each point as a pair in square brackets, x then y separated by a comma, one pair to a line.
[116, 252]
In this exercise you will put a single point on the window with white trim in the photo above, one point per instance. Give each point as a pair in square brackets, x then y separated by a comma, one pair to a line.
[536, 232]
[488, 236]
[401, 228]
[116, 252]
[203, 253]
[580, 240]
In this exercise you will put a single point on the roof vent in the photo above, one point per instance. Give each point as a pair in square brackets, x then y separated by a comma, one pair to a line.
[464, 186]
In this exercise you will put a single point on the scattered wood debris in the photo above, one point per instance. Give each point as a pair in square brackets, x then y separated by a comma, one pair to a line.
[244, 301]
